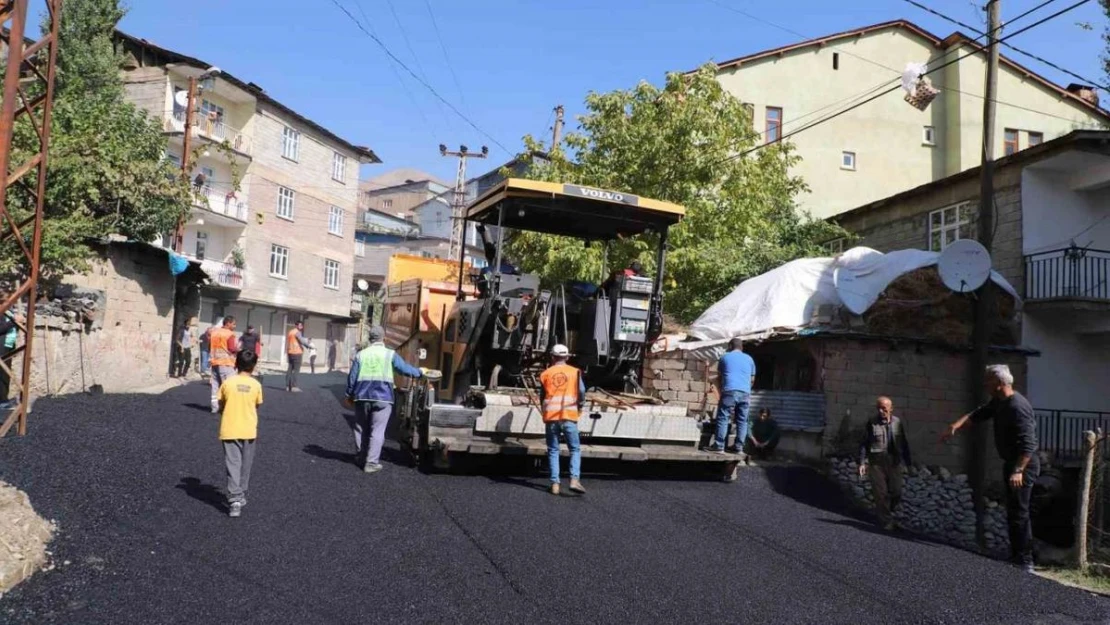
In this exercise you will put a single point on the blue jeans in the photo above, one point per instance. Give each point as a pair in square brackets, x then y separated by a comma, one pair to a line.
[569, 429]
[204, 361]
[733, 404]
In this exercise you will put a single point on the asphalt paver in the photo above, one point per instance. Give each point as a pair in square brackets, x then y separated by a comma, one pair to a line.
[135, 484]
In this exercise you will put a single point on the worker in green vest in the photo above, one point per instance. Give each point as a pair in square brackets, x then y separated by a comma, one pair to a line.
[9, 329]
[370, 388]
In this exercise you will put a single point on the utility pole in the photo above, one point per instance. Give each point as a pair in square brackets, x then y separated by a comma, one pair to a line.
[984, 301]
[458, 236]
[557, 131]
[186, 141]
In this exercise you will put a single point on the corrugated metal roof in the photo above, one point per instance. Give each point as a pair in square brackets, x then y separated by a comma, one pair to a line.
[791, 409]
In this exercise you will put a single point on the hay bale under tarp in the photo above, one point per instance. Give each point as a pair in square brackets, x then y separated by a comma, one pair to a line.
[918, 304]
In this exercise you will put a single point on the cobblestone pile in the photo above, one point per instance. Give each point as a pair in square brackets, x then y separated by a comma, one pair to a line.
[936, 504]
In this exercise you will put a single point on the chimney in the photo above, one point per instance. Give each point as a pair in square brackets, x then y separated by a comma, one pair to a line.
[1087, 92]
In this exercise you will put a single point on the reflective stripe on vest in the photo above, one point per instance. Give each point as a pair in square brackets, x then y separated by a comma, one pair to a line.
[560, 393]
[221, 355]
[292, 345]
[375, 364]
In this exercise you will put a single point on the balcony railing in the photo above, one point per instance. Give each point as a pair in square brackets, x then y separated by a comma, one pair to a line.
[1068, 273]
[1060, 432]
[213, 129]
[223, 274]
[222, 200]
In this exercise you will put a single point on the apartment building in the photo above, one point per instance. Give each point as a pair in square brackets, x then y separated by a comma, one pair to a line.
[887, 146]
[276, 198]
[399, 191]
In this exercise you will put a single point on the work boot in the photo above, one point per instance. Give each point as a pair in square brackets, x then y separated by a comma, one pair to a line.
[554, 490]
[576, 486]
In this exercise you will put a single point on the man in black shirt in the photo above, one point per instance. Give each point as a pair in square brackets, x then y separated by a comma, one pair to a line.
[1015, 437]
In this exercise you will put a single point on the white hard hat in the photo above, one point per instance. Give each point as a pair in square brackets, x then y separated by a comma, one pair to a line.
[560, 350]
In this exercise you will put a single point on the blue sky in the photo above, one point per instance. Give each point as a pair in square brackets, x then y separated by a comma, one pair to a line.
[515, 60]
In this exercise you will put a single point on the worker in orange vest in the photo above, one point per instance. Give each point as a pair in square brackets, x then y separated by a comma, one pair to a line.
[295, 344]
[222, 349]
[562, 395]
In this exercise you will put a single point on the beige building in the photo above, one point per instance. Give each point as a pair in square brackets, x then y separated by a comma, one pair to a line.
[887, 146]
[277, 198]
[400, 191]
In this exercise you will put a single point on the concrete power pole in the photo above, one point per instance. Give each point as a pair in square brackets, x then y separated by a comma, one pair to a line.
[984, 302]
[458, 236]
[557, 130]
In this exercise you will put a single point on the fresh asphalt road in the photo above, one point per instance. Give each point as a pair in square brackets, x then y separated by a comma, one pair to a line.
[133, 482]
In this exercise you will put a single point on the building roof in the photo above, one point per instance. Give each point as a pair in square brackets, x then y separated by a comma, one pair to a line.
[365, 154]
[956, 38]
[401, 177]
[1026, 156]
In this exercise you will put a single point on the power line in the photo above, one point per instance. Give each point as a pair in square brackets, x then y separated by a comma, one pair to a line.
[408, 46]
[401, 63]
[1010, 46]
[896, 87]
[446, 57]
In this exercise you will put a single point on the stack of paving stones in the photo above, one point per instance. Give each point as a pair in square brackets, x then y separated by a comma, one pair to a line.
[935, 503]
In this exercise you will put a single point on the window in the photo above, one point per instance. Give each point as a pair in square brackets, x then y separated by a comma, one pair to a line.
[211, 111]
[929, 135]
[338, 167]
[949, 224]
[360, 248]
[331, 274]
[835, 247]
[1010, 141]
[173, 158]
[848, 161]
[774, 124]
[836, 60]
[285, 200]
[202, 245]
[335, 220]
[387, 204]
[279, 261]
[290, 144]
[1036, 138]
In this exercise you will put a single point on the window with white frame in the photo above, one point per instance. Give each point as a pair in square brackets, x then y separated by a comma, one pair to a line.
[279, 261]
[929, 135]
[835, 247]
[213, 112]
[848, 160]
[335, 221]
[202, 245]
[331, 274]
[338, 167]
[360, 247]
[285, 200]
[950, 224]
[290, 144]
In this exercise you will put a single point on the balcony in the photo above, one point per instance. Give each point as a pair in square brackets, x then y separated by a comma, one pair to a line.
[222, 200]
[1072, 274]
[211, 129]
[223, 274]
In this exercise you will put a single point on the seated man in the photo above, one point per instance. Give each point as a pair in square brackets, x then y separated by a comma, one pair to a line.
[764, 435]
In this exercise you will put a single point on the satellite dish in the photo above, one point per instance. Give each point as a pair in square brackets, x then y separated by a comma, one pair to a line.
[964, 265]
[181, 98]
[363, 285]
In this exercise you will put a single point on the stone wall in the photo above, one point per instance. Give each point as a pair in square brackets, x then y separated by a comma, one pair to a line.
[128, 347]
[934, 504]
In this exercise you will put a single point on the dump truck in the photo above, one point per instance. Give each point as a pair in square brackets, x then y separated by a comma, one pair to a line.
[489, 343]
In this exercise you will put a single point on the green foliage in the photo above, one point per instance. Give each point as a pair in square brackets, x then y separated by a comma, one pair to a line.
[107, 170]
[679, 143]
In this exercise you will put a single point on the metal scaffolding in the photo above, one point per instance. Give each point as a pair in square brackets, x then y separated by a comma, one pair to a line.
[28, 92]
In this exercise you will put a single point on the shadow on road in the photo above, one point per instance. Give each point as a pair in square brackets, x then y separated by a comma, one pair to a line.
[205, 493]
[328, 454]
[200, 407]
[871, 528]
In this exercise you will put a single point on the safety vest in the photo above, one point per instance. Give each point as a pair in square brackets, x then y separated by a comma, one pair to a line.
[221, 354]
[292, 345]
[560, 393]
[13, 335]
[375, 364]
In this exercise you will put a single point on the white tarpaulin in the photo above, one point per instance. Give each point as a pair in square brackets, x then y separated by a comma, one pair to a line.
[785, 298]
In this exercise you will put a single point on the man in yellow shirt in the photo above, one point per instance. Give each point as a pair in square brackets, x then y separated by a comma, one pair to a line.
[239, 396]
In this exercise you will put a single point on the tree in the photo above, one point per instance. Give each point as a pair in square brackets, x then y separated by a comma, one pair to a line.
[691, 143]
[107, 171]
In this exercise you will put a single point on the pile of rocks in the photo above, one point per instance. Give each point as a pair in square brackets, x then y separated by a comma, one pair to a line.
[74, 305]
[936, 504]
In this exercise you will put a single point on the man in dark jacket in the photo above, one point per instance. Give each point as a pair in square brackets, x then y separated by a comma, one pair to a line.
[883, 455]
[1015, 438]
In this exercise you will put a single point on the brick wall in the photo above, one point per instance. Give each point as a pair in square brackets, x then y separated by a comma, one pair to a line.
[131, 349]
[148, 89]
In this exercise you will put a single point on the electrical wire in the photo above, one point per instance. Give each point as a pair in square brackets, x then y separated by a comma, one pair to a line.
[427, 86]
[446, 57]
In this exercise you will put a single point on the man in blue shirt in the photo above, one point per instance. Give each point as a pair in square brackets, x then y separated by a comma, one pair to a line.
[735, 375]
